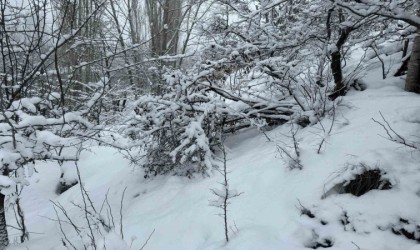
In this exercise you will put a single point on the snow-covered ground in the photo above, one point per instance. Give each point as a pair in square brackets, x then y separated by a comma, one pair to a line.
[266, 215]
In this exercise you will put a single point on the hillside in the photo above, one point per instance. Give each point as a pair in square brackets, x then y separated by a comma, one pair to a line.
[268, 213]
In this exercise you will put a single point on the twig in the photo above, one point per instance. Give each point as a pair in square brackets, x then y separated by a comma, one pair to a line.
[83, 192]
[145, 243]
[326, 133]
[392, 133]
[62, 231]
[121, 214]
[355, 245]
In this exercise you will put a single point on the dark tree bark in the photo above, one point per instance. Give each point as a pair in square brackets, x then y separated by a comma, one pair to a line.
[4, 239]
[340, 88]
[164, 23]
[336, 70]
[412, 82]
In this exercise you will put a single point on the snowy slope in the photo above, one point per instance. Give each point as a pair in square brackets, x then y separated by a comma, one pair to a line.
[266, 215]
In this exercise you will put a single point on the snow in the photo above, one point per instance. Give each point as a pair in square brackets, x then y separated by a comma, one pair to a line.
[175, 211]
[27, 103]
[6, 185]
[266, 214]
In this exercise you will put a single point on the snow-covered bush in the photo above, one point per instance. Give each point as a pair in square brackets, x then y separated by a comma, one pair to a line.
[177, 128]
[34, 129]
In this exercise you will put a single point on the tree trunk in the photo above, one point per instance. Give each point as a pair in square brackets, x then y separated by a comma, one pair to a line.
[164, 22]
[4, 239]
[336, 70]
[412, 82]
[402, 70]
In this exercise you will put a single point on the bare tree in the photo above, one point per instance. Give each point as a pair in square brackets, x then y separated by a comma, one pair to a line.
[164, 22]
[224, 195]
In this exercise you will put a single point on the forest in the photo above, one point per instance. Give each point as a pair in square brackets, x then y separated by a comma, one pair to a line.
[209, 124]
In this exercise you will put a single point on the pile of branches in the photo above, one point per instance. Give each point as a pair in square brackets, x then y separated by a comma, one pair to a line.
[178, 130]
